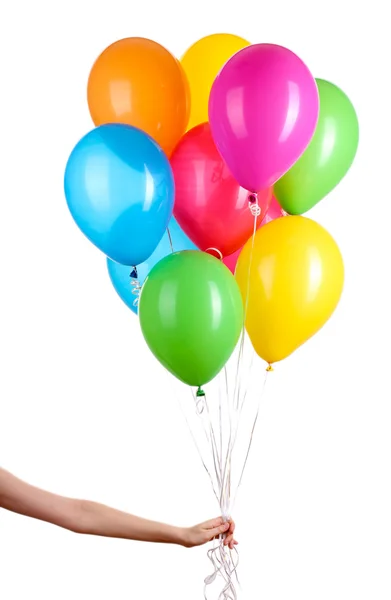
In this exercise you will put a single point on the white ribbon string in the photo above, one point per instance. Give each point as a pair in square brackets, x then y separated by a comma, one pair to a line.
[220, 426]
[216, 429]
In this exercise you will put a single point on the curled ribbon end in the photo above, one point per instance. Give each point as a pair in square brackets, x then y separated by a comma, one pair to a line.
[136, 288]
[255, 209]
[215, 252]
[269, 369]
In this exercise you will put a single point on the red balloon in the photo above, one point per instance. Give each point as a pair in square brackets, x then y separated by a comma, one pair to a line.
[210, 206]
[274, 212]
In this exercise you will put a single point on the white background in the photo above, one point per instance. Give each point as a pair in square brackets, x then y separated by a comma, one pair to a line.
[84, 408]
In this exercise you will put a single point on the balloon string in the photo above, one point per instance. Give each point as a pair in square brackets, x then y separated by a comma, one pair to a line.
[215, 453]
[199, 410]
[226, 480]
[224, 562]
[240, 408]
[221, 428]
[225, 493]
[251, 434]
[222, 446]
[220, 556]
[170, 240]
[229, 592]
[216, 251]
[255, 211]
[224, 565]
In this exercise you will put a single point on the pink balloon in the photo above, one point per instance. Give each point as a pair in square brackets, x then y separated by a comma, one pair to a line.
[274, 212]
[231, 260]
[263, 110]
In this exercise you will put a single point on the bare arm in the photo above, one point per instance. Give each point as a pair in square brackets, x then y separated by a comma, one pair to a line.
[83, 516]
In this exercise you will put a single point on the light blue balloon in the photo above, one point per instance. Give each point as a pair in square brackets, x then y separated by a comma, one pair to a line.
[126, 286]
[119, 188]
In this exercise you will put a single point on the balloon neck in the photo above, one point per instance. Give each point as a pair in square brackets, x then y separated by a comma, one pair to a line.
[269, 368]
[200, 392]
[133, 273]
[253, 205]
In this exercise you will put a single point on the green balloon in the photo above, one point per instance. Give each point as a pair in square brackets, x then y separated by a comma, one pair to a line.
[191, 315]
[328, 156]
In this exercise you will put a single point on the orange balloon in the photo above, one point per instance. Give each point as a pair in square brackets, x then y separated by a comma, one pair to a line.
[138, 82]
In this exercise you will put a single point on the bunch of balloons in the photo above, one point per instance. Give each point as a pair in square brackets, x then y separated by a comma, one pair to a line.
[194, 182]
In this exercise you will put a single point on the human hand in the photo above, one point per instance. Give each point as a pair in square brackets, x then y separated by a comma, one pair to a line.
[206, 532]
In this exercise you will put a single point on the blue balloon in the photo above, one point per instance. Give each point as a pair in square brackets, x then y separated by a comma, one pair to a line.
[126, 285]
[119, 188]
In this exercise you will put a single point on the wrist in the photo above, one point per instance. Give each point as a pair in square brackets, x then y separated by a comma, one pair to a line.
[182, 536]
[169, 534]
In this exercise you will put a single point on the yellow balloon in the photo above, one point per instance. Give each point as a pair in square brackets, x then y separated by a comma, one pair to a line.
[202, 63]
[293, 282]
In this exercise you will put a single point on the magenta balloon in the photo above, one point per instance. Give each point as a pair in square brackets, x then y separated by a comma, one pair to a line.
[263, 110]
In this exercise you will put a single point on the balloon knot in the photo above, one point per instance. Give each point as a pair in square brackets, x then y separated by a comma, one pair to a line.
[133, 273]
[200, 392]
[269, 368]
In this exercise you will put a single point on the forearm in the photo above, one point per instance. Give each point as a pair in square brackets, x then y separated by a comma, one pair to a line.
[82, 516]
[97, 519]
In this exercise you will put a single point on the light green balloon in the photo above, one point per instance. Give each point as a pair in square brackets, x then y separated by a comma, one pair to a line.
[191, 315]
[328, 156]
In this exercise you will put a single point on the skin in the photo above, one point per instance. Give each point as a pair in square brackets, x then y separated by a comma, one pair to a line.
[91, 518]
